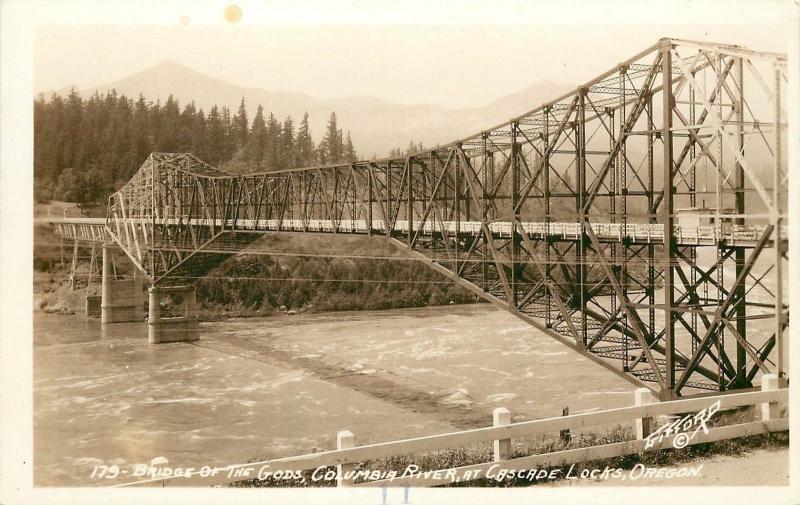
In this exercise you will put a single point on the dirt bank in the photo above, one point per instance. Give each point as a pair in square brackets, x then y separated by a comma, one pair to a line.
[52, 293]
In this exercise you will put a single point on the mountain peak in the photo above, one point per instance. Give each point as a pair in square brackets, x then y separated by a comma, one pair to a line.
[376, 125]
[172, 66]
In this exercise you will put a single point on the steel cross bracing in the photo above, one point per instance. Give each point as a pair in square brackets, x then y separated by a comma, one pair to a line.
[572, 216]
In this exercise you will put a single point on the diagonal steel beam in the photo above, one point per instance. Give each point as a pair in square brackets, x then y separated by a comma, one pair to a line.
[722, 310]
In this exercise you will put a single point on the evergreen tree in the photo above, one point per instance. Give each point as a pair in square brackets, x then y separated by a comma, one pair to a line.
[304, 144]
[272, 157]
[169, 125]
[73, 118]
[333, 141]
[141, 145]
[154, 125]
[287, 144]
[322, 152]
[186, 128]
[216, 137]
[349, 150]
[86, 148]
[200, 135]
[240, 127]
[257, 140]
[227, 139]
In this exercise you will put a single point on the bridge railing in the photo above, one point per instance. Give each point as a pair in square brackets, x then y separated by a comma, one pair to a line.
[694, 413]
[91, 229]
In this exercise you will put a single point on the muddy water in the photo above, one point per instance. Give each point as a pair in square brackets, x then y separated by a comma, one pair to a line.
[285, 385]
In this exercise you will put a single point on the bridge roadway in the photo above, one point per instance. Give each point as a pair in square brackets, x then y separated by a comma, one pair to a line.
[93, 229]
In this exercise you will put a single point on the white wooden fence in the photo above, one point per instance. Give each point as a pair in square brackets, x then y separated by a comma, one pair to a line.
[645, 410]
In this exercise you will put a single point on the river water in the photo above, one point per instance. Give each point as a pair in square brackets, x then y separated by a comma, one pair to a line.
[285, 385]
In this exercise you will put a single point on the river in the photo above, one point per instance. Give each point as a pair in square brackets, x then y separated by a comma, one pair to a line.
[285, 385]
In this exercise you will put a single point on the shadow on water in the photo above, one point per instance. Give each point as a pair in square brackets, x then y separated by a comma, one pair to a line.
[378, 384]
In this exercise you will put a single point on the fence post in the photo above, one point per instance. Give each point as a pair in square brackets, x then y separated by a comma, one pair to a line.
[565, 435]
[770, 410]
[344, 440]
[644, 425]
[502, 448]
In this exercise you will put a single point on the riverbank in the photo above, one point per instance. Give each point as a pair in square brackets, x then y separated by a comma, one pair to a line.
[53, 294]
[289, 273]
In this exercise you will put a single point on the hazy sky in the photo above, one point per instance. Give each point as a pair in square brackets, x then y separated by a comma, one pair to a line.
[456, 65]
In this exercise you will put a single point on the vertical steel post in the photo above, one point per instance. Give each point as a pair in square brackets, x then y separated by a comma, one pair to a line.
[354, 198]
[580, 167]
[456, 167]
[651, 218]
[410, 200]
[92, 264]
[484, 201]
[73, 272]
[668, 219]
[105, 286]
[492, 206]
[612, 200]
[467, 199]
[456, 164]
[515, 196]
[304, 195]
[546, 172]
[693, 200]
[741, 303]
[720, 204]
[369, 199]
[622, 184]
[388, 223]
[153, 217]
[334, 212]
[777, 221]
[490, 184]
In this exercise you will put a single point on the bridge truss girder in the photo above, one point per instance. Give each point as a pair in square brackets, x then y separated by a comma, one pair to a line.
[660, 313]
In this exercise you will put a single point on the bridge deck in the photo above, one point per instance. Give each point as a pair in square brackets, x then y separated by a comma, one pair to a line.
[93, 229]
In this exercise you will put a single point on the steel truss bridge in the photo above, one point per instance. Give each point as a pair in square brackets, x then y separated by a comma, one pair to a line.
[639, 220]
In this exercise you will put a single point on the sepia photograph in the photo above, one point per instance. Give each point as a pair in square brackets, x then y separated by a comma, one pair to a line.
[398, 252]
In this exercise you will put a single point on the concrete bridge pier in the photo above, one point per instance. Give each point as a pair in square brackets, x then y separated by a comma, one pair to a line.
[183, 328]
[121, 299]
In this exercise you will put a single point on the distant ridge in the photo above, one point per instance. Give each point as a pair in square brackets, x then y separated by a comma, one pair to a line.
[376, 125]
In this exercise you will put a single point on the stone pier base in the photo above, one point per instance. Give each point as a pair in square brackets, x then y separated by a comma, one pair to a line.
[183, 328]
[121, 300]
[93, 304]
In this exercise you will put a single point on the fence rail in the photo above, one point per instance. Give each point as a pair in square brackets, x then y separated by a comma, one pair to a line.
[770, 398]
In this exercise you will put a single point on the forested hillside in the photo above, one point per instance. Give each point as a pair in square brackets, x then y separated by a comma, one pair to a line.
[263, 284]
[85, 149]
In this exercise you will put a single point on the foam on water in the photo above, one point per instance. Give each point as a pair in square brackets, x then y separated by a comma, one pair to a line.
[458, 397]
[252, 384]
[500, 397]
